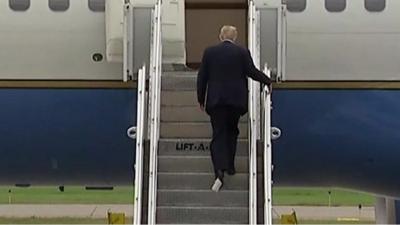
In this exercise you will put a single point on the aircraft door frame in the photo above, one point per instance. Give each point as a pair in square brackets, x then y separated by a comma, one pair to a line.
[273, 44]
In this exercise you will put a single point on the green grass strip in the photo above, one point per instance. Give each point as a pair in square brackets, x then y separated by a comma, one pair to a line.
[71, 195]
[320, 197]
[124, 195]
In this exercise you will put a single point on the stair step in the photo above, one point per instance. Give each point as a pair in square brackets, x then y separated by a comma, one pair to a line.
[181, 73]
[183, 114]
[202, 215]
[192, 130]
[176, 68]
[191, 198]
[200, 181]
[179, 81]
[179, 98]
[196, 147]
[196, 164]
[187, 114]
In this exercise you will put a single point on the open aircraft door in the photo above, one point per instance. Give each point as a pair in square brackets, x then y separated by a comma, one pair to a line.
[271, 22]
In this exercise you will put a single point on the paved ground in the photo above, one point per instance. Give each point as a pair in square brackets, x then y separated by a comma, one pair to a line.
[100, 211]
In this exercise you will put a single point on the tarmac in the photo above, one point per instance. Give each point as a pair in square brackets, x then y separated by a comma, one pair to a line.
[100, 211]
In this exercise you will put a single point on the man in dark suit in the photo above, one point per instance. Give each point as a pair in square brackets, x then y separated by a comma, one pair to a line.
[222, 92]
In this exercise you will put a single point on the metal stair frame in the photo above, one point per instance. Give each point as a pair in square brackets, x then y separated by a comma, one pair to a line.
[155, 106]
[259, 128]
[260, 104]
[139, 50]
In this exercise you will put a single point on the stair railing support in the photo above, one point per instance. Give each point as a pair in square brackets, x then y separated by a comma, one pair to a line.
[141, 109]
[267, 152]
[155, 95]
[253, 121]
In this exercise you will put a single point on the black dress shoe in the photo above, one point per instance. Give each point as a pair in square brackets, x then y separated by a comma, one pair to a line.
[231, 171]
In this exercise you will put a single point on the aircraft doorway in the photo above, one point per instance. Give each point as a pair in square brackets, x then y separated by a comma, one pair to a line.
[204, 18]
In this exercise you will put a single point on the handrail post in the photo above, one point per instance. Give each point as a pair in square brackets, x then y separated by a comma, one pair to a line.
[267, 153]
[137, 215]
[155, 94]
[253, 121]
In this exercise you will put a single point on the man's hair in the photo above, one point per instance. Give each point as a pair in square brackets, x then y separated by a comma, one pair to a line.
[228, 32]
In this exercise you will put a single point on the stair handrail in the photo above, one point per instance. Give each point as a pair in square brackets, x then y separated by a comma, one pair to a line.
[267, 106]
[155, 96]
[140, 137]
[253, 132]
[257, 126]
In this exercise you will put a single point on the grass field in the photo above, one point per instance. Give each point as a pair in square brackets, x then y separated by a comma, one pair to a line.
[71, 195]
[320, 197]
[124, 195]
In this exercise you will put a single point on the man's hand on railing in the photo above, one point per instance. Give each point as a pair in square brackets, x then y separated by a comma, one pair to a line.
[268, 89]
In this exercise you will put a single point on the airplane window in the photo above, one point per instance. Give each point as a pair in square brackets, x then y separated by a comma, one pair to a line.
[296, 5]
[97, 5]
[375, 5]
[59, 5]
[335, 5]
[19, 5]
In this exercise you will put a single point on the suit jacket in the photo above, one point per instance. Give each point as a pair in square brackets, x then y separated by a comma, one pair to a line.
[222, 77]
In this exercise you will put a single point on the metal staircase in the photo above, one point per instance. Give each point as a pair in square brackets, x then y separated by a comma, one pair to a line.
[173, 171]
[184, 169]
[185, 172]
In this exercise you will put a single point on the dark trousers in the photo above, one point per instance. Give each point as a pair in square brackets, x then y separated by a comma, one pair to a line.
[224, 121]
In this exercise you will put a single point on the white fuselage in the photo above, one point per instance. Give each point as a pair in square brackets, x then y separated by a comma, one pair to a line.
[41, 44]
[354, 44]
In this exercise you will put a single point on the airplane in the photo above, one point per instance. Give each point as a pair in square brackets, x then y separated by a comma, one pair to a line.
[66, 106]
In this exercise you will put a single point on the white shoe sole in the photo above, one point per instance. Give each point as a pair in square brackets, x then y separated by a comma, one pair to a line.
[217, 185]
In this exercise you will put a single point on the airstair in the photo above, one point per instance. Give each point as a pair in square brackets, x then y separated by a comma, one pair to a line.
[185, 173]
[173, 170]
